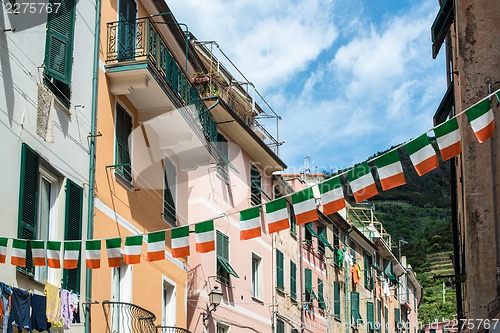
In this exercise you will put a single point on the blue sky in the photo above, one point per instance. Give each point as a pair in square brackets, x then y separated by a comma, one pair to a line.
[348, 77]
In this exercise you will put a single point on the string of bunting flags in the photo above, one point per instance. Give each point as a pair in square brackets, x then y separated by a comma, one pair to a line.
[360, 179]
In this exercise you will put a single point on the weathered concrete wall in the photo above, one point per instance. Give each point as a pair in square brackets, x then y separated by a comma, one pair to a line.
[476, 57]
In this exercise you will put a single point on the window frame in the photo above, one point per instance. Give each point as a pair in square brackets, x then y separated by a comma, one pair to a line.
[169, 215]
[222, 165]
[256, 276]
[321, 298]
[119, 170]
[337, 302]
[223, 268]
[255, 189]
[280, 271]
[293, 280]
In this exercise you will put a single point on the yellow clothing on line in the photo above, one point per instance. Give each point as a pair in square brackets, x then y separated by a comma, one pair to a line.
[53, 305]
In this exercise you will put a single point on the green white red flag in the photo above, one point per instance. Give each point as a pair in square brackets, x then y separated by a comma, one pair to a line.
[18, 255]
[390, 170]
[304, 206]
[133, 249]
[332, 195]
[180, 242]
[205, 236]
[448, 139]
[361, 182]
[156, 246]
[93, 254]
[38, 252]
[250, 223]
[422, 154]
[54, 254]
[113, 249]
[277, 215]
[3, 249]
[481, 120]
[71, 254]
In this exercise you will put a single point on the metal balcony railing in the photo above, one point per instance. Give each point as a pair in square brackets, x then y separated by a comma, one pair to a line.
[140, 40]
[170, 329]
[128, 318]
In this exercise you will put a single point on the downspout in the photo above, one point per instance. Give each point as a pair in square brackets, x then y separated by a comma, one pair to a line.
[347, 314]
[93, 125]
[301, 276]
[273, 265]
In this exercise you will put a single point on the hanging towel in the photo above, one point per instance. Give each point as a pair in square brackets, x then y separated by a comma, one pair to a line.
[39, 313]
[66, 313]
[6, 303]
[340, 257]
[53, 305]
[356, 274]
[73, 306]
[20, 315]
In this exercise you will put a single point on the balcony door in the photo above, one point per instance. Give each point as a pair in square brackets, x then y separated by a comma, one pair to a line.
[127, 28]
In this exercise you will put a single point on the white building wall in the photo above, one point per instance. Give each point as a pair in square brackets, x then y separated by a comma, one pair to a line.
[21, 71]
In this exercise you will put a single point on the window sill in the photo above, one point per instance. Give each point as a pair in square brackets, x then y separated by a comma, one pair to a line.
[281, 290]
[257, 300]
[124, 182]
[337, 318]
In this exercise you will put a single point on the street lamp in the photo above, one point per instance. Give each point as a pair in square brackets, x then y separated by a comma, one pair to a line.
[214, 297]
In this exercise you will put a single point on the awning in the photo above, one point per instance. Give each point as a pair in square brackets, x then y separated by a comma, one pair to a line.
[356, 317]
[391, 277]
[324, 241]
[226, 266]
[377, 267]
[311, 230]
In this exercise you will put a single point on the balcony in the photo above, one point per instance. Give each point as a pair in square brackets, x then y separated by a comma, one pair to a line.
[129, 318]
[140, 65]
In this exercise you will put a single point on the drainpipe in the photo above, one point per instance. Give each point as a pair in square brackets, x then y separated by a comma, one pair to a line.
[347, 314]
[301, 276]
[93, 125]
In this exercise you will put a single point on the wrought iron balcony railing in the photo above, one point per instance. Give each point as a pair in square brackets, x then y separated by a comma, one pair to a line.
[170, 329]
[128, 318]
[140, 40]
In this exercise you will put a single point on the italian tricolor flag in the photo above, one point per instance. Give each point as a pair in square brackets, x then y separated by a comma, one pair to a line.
[38, 252]
[332, 195]
[250, 223]
[113, 248]
[93, 254]
[362, 183]
[422, 154]
[54, 254]
[156, 246]
[277, 215]
[180, 242]
[18, 256]
[71, 254]
[205, 236]
[448, 139]
[3, 249]
[390, 170]
[133, 249]
[304, 206]
[481, 120]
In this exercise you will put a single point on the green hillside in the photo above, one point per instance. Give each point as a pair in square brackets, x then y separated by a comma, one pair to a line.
[419, 213]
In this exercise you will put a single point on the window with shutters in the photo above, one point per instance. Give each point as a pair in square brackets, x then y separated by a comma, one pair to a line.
[379, 315]
[255, 185]
[58, 62]
[397, 320]
[123, 129]
[224, 268]
[336, 300]
[308, 236]
[293, 280]
[386, 319]
[222, 146]
[309, 291]
[370, 316]
[293, 222]
[256, 276]
[73, 231]
[355, 314]
[169, 192]
[352, 245]
[321, 298]
[222, 328]
[321, 235]
[280, 326]
[367, 269]
[280, 271]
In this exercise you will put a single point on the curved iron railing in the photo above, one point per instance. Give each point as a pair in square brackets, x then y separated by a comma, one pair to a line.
[124, 317]
[171, 329]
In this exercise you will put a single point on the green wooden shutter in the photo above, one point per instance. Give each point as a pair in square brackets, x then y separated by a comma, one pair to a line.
[122, 132]
[280, 326]
[370, 314]
[28, 202]
[59, 41]
[321, 298]
[368, 271]
[280, 271]
[293, 280]
[379, 313]
[73, 231]
[356, 316]
[308, 280]
[386, 321]
[336, 300]
[321, 246]
[397, 318]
